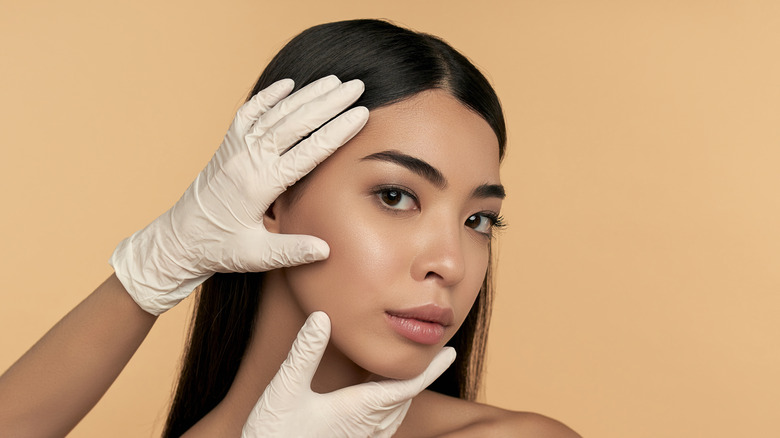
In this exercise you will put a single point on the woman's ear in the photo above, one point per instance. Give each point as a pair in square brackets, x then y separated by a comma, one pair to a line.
[271, 218]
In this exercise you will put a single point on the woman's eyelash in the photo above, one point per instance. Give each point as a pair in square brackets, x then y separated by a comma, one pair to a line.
[495, 221]
[498, 221]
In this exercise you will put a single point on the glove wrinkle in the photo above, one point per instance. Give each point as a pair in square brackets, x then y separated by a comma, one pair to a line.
[217, 224]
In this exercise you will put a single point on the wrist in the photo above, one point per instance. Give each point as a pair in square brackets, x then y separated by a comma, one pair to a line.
[152, 269]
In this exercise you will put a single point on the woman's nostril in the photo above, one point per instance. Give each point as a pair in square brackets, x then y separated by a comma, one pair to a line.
[431, 275]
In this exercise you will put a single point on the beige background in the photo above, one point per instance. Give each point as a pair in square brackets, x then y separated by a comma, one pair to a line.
[639, 280]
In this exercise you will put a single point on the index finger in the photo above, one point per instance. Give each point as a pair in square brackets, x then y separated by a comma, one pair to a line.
[399, 391]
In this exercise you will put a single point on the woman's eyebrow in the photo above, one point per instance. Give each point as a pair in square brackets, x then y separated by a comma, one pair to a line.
[433, 174]
[415, 165]
[489, 191]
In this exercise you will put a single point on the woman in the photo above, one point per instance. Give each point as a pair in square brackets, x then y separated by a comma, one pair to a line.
[407, 208]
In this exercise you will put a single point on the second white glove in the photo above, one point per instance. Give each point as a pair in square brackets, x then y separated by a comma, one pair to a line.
[289, 408]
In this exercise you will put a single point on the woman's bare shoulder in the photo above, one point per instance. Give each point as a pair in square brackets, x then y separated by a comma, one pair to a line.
[437, 415]
[529, 424]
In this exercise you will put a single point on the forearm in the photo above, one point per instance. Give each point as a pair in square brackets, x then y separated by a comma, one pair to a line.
[53, 386]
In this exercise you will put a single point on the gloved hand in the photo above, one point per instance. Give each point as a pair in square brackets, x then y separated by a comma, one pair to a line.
[217, 225]
[289, 408]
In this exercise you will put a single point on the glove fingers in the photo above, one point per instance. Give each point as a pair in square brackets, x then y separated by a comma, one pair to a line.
[293, 102]
[245, 118]
[304, 157]
[298, 369]
[310, 116]
[292, 250]
[397, 391]
[261, 102]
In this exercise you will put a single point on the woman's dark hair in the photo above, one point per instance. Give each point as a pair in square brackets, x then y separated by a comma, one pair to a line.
[395, 64]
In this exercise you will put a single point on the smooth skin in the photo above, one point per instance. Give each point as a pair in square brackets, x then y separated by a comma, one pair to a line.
[387, 252]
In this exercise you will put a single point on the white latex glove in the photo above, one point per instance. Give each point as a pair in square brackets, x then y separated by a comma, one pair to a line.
[289, 408]
[217, 225]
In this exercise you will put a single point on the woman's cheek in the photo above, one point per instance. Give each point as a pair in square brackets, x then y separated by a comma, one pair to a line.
[366, 260]
[477, 257]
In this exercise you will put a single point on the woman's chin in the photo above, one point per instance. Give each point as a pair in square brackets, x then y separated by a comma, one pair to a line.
[404, 369]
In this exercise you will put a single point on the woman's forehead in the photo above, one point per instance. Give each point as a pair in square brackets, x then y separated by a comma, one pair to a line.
[435, 127]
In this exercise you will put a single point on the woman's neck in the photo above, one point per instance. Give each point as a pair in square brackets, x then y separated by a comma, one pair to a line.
[279, 319]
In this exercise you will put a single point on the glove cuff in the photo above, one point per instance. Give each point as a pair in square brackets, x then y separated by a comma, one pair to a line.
[150, 283]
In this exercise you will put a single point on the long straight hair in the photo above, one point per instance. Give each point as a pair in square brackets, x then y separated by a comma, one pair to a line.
[394, 63]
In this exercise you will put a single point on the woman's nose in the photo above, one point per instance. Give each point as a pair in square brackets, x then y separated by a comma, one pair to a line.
[439, 255]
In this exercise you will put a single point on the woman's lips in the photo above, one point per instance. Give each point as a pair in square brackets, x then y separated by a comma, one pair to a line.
[424, 324]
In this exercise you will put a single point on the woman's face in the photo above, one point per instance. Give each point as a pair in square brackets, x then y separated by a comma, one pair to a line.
[406, 207]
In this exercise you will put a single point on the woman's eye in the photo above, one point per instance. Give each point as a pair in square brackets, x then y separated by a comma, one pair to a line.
[483, 223]
[479, 223]
[397, 199]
